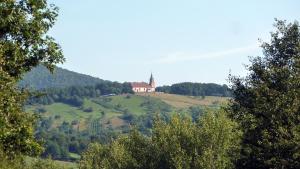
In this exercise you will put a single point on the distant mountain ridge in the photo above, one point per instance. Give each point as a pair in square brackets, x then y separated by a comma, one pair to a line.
[41, 78]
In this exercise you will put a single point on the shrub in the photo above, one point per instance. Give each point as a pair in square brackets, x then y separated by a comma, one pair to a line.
[41, 110]
[88, 109]
[74, 122]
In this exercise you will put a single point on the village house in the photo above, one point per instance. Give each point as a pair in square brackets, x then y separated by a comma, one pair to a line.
[143, 87]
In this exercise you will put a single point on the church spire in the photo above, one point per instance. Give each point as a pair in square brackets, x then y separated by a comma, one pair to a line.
[151, 81]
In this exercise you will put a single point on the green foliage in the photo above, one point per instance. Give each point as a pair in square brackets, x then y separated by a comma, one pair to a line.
[267, 103]
[196, 112]
[63, 140]
[23, 45]
[102, 156]
[154, 105]
[77, 127]
[7, 163]
[212, 142]
[41, 78]
[47, 164]
[220, 141]
[92, 126]
[23, 40]
[21, 162]
[74, 95]
[88, 109]
[40, 110]
[16, 127]
[196, 89]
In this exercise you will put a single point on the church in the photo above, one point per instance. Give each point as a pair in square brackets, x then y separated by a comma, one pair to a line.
[143, 87]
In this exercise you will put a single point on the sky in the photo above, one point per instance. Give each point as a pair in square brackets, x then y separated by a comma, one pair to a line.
[176, 40]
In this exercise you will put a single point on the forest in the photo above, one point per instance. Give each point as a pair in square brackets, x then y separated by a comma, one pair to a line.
[40, 78]
[259, 127]
[196, 89]
[74, 95]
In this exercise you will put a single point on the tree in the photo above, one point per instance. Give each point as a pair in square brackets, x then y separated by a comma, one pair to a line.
[212, 142]
[220, 141]
[23, 45]
[267, 103]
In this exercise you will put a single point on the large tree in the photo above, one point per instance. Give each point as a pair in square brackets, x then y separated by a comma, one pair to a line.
[267, 103]
[24, 44]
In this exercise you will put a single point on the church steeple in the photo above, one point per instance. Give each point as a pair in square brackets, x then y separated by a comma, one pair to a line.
[151, 81]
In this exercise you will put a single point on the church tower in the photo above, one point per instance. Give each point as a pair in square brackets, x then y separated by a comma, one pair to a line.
[151, 81]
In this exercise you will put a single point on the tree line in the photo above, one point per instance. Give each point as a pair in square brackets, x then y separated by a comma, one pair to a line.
[75, 95]
[196, 89]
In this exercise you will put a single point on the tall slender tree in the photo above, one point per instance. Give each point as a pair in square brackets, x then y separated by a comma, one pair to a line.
[24, 44]
[267, 103]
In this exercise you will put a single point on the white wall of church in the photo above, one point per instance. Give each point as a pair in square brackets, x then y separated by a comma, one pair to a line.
[143, 90]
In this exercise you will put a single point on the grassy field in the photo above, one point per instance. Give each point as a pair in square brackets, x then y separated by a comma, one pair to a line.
[58, 163]
[106, 109]
[67, 164]
[180, 101]
[109, 109]
[130, 102]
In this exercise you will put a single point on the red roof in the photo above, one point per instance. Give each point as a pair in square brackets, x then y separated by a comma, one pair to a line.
[140, 85]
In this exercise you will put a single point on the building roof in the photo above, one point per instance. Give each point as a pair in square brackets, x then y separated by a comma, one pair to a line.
[140, 84]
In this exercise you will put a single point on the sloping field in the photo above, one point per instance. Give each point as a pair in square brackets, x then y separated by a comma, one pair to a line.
[180, 101]
[104, 109]
[108, 110]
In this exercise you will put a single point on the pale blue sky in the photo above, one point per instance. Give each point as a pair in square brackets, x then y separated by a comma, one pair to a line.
[178, 40]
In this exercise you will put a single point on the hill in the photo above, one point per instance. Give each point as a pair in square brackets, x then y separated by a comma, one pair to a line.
[41, 78]
[102, 118]
[108, 108]
[181, 101]
[78, 109]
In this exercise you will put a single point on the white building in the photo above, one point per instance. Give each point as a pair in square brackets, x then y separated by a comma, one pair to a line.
[143, 87]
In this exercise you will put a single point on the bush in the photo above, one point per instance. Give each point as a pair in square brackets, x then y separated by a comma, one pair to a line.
[127, 116]
[88, 109]
[41, 110]
[74, 122]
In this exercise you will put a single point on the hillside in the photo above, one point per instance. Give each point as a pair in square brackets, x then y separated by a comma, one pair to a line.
[108, 108]
[180, 101]
[41, 78]
[80, 109]
[106, 117]
[104, 109]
